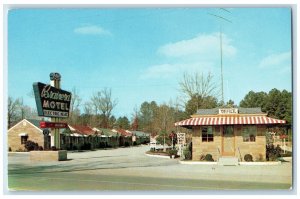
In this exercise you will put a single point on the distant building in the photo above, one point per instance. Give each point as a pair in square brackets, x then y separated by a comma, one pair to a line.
[125, 137]
[25, 130]
[75, 137]
[140, 137]
[231, 132]
[81, 137]
[108, 138]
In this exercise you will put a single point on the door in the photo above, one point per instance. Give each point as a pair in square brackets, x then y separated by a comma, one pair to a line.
[228, 148]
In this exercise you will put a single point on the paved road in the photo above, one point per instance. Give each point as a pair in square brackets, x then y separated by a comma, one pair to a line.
[130, 169]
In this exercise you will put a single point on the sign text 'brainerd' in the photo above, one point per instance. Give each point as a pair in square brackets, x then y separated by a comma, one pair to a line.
[51, 102]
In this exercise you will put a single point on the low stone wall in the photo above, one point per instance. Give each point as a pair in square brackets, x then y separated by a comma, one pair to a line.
[48, 155]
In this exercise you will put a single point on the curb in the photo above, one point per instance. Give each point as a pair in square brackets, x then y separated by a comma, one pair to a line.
[158, 156]
[18, 152]
[240, 163]
[259, 163]
[198, 163]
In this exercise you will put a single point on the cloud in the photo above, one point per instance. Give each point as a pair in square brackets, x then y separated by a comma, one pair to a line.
[91, 30]
[276, 60]
[165, 71]
[203, 46]
[201, 54]
[158, 71]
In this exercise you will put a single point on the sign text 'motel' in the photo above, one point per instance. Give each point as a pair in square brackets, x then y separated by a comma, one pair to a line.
[50, 101]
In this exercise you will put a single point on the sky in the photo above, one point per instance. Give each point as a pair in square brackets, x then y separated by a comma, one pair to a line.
[141, 54]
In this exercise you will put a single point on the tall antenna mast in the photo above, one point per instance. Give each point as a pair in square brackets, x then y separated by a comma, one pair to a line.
[221, 47]
[221, 54]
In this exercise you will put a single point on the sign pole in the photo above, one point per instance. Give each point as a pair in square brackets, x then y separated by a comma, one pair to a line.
[55, 82]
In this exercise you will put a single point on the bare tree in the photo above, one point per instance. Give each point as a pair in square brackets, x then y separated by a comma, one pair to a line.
[198, 85]
[103, 102]
[88, 108]
[12, 112]
[74, 106]
[199, 92]
[76, 100]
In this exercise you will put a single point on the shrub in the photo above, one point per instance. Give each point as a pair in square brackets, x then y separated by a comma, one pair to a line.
[173, 152]
[30, 145]
[41, 148]
[53, 148]
[272, 153]
[287, 154]
[127, 144]
[74, 147]
[209, 158]
[248, 158]
[9, 149]
[86, 146]
[187, 154]
[102, 145]
[188, 151]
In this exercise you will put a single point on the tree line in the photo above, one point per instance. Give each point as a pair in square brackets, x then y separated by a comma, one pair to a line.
[198, 92]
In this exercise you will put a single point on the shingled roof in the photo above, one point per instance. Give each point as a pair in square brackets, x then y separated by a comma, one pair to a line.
[122, 132]
[84, 130]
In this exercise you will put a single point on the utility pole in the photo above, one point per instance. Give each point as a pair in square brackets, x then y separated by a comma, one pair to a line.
[221, 48]
[221, 55]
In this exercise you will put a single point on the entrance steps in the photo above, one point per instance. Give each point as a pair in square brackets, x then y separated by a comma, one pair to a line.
[228, 161]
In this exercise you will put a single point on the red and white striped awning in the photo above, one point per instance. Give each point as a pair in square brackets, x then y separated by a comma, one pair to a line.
[229, 120]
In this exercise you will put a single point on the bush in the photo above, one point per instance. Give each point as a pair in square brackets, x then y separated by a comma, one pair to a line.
[187, 154]
[30, 145]
[209, 158]
[102, 145]
[272, 152]
[248, 158]
[287, 154]
[41, 148]
[127, 144]
[53, 148]
[188, 151]
[173, 152]
[9, 149]
[86, 146]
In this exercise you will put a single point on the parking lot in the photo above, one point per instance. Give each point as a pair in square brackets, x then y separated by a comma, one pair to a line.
[130, 169]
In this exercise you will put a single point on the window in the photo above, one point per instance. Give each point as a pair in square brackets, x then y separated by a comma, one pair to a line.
[249, 133]
[207, 134]
[24, 139]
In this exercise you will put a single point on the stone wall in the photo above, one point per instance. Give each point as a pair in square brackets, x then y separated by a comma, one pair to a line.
[202, 148]
[34, 134]
[257, 149]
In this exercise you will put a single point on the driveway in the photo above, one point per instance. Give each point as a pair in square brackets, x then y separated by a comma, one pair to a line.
[130, 169]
